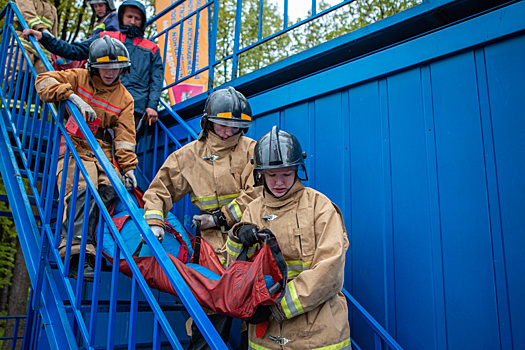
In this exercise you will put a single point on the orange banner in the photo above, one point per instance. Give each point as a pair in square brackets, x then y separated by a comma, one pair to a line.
[194, 85]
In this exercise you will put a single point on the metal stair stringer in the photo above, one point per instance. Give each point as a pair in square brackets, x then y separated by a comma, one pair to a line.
[56, 323]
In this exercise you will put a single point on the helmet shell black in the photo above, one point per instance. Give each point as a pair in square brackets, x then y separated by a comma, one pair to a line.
[108, 53]
[228, 107]
[278, 149]
[110, 3]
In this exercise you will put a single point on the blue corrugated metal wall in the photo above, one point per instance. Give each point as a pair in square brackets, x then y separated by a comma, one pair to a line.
[422, 147]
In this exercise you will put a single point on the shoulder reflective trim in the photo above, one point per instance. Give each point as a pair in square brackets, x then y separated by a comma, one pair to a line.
[290, 303]
[154, 214]
[235, 210]
[125, 145]
[98, 102]
[34, 22]
[101, 26]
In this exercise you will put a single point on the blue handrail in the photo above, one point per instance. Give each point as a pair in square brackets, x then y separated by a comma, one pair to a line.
[51, 231]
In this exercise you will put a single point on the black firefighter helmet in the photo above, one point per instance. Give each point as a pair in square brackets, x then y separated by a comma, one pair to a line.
[278, 149]
[227, 107]
[108, 53]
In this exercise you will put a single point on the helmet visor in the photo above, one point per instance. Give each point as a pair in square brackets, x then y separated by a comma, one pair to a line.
[110, 65]
[234, 123]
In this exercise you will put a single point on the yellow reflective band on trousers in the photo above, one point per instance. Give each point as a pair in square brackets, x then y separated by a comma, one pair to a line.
[344, 345]
[290, 303]
[295, 267]
[234, 248]
[27, 45]
[213, 202]
[13, 102]
[154, 214]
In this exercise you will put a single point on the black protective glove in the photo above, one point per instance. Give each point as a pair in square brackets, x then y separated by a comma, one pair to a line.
[219, 218]
[262, 314]
[248, 235]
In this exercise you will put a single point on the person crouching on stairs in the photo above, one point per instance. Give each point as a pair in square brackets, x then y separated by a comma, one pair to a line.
[98, 94]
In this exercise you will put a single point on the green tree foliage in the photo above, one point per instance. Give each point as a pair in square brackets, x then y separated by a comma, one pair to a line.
[7, 245]
[344, 20]
[259, 56]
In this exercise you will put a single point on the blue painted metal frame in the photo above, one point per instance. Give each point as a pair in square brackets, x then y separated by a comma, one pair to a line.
[46, 243]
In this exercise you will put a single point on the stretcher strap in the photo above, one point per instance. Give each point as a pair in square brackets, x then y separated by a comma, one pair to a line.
[197, 248]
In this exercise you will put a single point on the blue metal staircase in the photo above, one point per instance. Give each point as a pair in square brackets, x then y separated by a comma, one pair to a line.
[114, 311]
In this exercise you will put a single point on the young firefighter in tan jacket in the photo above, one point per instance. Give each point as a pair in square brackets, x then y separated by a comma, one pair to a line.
[40, 15]
[97, 93]
[309, 228]
[216, 171]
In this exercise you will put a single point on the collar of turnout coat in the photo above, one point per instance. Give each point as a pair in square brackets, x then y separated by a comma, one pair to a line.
[293, 194]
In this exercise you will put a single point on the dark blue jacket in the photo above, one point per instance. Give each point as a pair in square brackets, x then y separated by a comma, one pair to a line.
[110, 24]
[144, 82]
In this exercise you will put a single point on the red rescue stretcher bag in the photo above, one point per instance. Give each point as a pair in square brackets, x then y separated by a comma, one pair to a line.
[235, 291]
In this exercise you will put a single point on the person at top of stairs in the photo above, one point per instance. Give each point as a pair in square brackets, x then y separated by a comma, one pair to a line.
[147, 72]
[41, 16]
[104, 101]
[216, 171]
[104, 19]
[313, 314]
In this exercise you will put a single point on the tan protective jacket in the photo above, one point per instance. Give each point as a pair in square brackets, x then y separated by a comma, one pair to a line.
[216, 173]
[313, 240]
[39, 15]
[112, 103]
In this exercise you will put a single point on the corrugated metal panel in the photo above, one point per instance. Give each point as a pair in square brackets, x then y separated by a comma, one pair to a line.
[422, 147]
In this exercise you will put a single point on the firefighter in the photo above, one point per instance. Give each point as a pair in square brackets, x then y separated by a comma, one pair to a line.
[215, 171]
[147, 72]
[309, 228]
[98, 93]
[107, 19]
[40, 16]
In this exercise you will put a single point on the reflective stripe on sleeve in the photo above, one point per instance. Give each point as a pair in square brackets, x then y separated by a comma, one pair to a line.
[234, 248]
[295, 267]
[213, 202]
[154, 214]
[234, 210]
[34, 22]
[47, 22]
[125, 145]
[290, 303]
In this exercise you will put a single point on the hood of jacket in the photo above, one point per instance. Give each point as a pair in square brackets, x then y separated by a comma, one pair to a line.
[132, 31]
